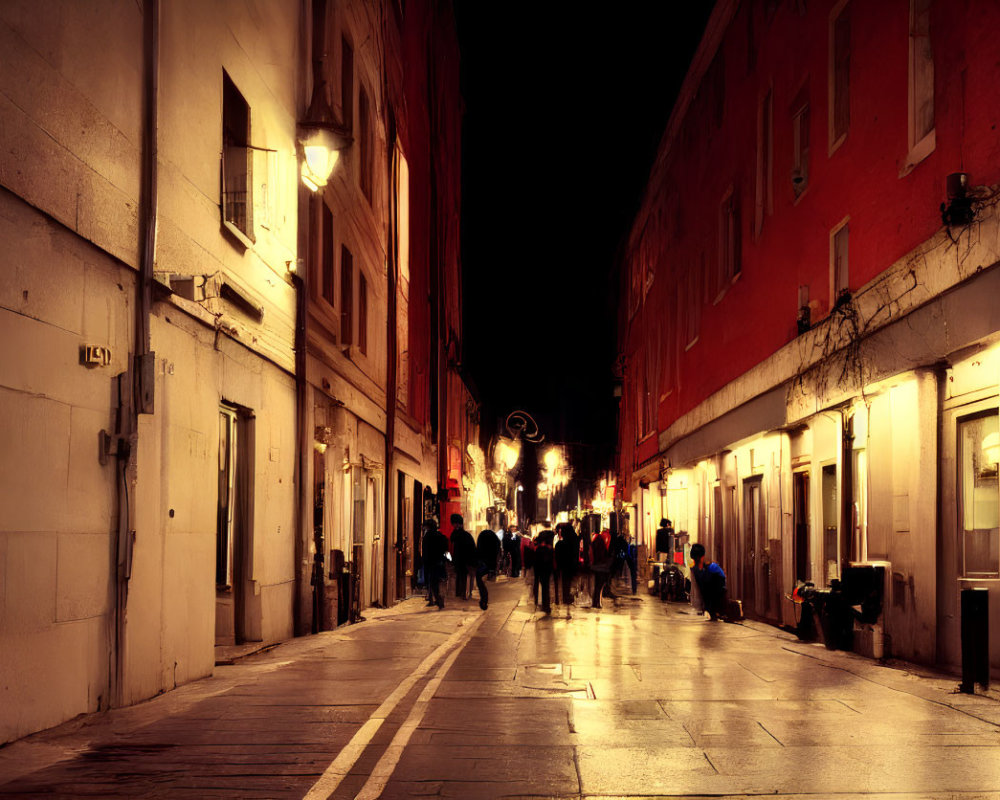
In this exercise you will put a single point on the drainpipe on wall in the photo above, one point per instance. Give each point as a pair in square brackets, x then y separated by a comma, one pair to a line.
[135, 387]
[437, 293]
[388, 532]
[304, 588]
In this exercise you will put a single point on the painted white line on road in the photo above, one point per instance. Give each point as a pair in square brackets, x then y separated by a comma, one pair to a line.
[334, 774]
[386, 765]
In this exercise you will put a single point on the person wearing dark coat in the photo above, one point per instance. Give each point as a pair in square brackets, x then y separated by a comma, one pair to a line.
[463, 556]
[487, 552]
[512, 546]
[665, 540]
[623, 557]
[433, 546]
[600, 565]
[567, 561]
[543, 569]
[711, 581]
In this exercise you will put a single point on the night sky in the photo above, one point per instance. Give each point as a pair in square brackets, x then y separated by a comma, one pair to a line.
[564, 110]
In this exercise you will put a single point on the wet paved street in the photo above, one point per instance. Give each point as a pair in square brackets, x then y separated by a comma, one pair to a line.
[636, 700]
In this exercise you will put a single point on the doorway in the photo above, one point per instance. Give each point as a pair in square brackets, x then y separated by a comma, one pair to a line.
[831, 525]
[753, 560]
[233, 524]
[800, 510]
[970, 517]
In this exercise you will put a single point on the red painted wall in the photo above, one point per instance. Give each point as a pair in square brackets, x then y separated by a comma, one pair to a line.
[889, 214]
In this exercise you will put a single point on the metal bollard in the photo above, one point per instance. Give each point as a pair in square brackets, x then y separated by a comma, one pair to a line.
[975, 639]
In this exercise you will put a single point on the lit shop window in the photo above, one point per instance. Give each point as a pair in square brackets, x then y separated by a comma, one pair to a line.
[978, 496]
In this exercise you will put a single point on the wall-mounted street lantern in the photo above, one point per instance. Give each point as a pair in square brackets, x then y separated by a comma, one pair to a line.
[321, 139]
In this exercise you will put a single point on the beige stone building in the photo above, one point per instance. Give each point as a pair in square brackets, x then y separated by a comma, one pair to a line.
[148, 206]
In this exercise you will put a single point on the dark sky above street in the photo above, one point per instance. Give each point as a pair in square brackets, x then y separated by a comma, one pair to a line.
[564, 110]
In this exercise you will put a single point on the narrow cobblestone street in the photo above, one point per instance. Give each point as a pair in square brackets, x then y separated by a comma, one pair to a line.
[639, 699]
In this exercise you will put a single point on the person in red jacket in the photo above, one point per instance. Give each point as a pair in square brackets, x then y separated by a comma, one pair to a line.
[600, 565]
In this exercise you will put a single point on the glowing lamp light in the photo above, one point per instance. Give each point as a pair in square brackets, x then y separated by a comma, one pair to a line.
[320, 150]
[552, 459]
[321, 139]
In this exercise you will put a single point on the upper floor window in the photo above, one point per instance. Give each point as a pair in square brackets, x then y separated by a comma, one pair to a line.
[347, 82]
[328, 285]
[402, 177]
[729, 243]
[763, 201]
[840, 74]
[346, 296]
[366, 145]
[800, 144]
[839, 272]
[692, 306]
[237, 161]
[920, 99]
[362, 313]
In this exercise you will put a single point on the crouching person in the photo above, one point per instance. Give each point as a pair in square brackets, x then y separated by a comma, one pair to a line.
[711, 582]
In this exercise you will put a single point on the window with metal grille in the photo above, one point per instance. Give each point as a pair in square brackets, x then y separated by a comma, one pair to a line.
[237, 162]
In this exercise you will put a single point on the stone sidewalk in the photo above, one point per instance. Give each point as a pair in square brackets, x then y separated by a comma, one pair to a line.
[639, 699]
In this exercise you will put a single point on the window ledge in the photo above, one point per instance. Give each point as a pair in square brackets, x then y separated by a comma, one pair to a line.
[836, 144]
[919, 152]
[240, 237]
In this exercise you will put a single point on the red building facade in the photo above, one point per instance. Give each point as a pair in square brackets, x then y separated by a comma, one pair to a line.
[807, 347]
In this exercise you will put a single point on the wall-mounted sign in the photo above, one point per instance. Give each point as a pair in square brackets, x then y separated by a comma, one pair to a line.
[94, 355]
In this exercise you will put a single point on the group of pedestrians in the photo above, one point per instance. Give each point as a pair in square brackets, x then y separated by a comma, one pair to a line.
[472, 559]
[571, 560]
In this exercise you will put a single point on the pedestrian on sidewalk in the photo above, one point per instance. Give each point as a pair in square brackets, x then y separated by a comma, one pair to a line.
[463, 556]
[622, 557]
[543, 569]
[665, 541]
[434, 545]
[528, 555]
[487, 552]
[567, 561]
[512, 547]
[600, 566]
[711, 580]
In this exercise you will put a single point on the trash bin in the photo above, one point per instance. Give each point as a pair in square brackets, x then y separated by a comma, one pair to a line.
[975, 639]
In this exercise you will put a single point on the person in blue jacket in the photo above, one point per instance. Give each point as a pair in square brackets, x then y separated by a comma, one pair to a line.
[711, 581]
